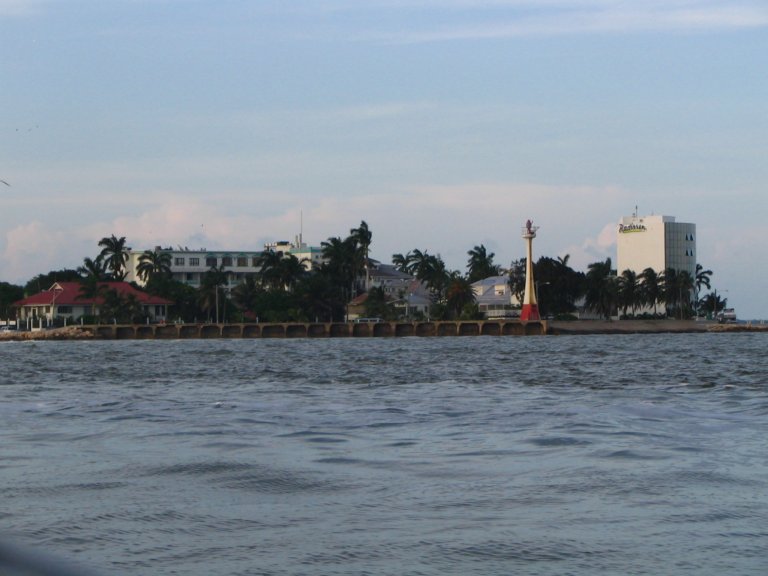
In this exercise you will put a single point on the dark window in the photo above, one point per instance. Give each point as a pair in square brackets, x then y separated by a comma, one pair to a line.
[210, 262]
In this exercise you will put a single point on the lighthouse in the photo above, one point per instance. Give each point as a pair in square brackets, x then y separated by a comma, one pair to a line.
[530, 311]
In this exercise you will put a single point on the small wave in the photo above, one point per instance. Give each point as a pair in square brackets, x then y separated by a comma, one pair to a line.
[555, 441]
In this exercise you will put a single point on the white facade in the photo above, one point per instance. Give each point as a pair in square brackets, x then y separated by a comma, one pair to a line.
[189, 266]
[495, 299]
[656, 242]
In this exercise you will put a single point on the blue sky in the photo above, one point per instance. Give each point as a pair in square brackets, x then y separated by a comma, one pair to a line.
[443, 124]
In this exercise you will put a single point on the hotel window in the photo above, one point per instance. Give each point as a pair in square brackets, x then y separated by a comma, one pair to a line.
[178, 261]
[226, 261]
[255, 261]
[242, 262]
[194, 261]
[210, 262]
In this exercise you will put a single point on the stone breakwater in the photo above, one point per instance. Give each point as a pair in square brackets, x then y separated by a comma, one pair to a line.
[68, 333]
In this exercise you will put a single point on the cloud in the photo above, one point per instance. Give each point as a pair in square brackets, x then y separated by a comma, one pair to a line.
[492, 19]
[17, 8]
[445, 219]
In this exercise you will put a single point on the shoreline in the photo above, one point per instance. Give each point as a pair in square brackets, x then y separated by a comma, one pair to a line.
[376, 330]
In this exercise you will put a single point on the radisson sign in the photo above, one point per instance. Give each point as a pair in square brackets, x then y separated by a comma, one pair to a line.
[626, 229]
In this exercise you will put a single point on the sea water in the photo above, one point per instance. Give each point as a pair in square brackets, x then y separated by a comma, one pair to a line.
[624, 454]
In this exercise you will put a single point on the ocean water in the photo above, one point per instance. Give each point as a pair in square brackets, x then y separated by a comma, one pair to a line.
[631, 454]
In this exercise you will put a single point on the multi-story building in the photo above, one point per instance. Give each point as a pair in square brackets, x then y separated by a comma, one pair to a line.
[656, 242]
[190, 265]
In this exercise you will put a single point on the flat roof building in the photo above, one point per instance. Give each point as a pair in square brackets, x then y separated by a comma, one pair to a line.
[657, 242]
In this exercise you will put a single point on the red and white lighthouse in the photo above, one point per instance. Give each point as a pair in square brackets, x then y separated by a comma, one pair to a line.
[530, 311]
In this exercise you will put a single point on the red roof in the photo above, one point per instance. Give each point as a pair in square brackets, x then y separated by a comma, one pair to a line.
[69, 294]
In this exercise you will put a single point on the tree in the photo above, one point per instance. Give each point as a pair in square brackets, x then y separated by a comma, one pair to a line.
[94, 268]
[433, 272]
[153, 263]
[629, 291]
[480, 264]
[601, 289]
[652, 288]
[377, 304]
[459, 295]
[702, 277]
[115, 255]
[9, 293]
[678, 287]
[714, 303]
[341, 262]
[269, 269]
[403, 262]
[209, 292]
[290, 271]
[558, 286]
[517, 278]
[44, 281]
[362, 237]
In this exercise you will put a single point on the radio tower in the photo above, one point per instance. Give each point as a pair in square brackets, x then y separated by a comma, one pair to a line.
[530, 311]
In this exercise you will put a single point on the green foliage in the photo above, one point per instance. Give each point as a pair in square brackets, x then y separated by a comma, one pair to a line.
[480, 264]
[377, 305]
[558, 285]
[9, 293]
[115, 256]
[45, 281]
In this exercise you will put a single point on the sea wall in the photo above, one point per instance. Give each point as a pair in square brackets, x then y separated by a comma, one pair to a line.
[374, 329]
[316, 330]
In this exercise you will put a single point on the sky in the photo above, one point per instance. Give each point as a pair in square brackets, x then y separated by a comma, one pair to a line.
[444, 124]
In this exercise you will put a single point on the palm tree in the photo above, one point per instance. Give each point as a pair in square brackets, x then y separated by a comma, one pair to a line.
[433, 272]
[601, 294]
[517, 278]
[480, 264]
[115, 255]
[702, 277]
[459, 294]
[269, 273]
[713, 301]
[246, 294]
[678, 287]
[152, 264]
[362, 236]
[403, 262]
[210, 284]
[652, 288]
[341, 259]
[290, 271]
[629, 291]
[685, 286]
[95, 268]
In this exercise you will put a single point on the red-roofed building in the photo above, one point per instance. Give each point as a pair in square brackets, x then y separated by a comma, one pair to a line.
[66, 300]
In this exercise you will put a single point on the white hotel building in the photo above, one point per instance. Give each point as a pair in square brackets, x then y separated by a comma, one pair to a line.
[656, 242]
[189, 265]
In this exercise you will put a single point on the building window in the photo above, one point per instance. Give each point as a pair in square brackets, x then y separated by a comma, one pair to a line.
[242, 261]
[178, 261]
[226, 261]
[194, 261]
[255, 261]
[210, 262]
[65, 309]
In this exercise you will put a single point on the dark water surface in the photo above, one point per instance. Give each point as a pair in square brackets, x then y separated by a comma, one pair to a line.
[635, 454]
